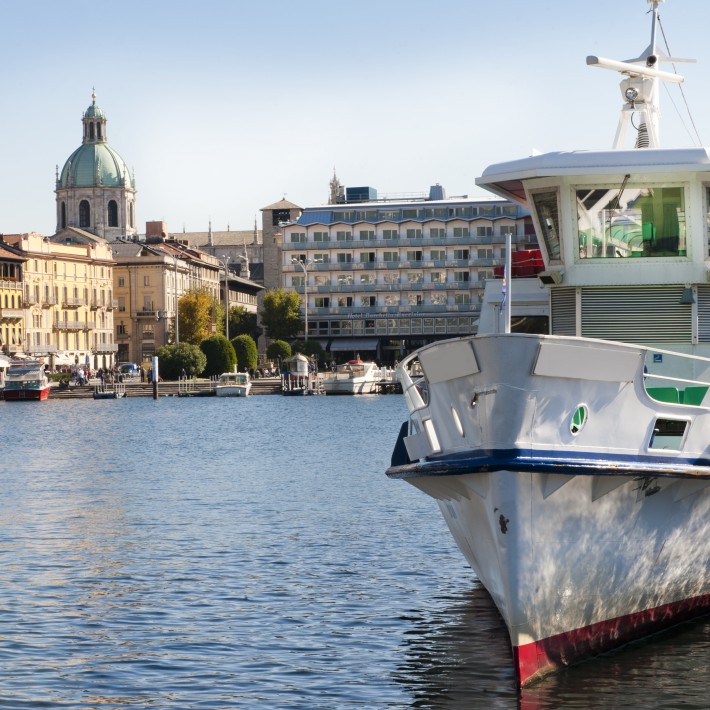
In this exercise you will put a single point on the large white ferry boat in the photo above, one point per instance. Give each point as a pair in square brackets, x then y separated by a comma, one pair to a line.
[573, 468]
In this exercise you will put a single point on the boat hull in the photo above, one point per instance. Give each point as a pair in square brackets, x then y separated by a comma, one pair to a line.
[581, 502]
[580, 564]
[26, 395]
[232, 390]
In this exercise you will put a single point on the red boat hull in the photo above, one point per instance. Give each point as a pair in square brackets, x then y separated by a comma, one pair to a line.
[26, 395]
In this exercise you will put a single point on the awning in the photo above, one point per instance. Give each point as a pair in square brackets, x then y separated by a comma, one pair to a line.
[4, 362]
[354, 344]
[63, 359]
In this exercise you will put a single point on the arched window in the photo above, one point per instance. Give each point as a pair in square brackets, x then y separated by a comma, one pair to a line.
[98, 131]
[91, 131]
[131, 215]
[112, 213]
[84, 214]
[63, 218]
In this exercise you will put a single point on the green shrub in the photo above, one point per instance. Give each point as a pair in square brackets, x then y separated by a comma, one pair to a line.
[220, 355]
[246, 352]
[278, 350]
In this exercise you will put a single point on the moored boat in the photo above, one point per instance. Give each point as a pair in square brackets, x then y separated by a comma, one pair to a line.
[233, 384]
[25, 381]
[573, 467]
[356, 377]
[299, 377]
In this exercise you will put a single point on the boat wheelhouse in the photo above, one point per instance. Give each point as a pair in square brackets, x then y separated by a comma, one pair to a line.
[26, 381]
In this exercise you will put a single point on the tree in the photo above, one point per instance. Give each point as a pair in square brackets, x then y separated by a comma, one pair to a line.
[281, 315]
[247, 355]
[278, 350]
[198, 309]
[220, 355]
[241, 322]
[176, 358]
[310, 348]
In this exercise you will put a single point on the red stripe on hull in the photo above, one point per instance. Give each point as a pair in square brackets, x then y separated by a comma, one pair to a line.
[540, 658]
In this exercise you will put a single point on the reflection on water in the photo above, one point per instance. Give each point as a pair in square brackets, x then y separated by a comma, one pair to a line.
[458, 655]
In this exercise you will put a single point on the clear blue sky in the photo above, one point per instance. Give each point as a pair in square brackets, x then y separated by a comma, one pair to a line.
[224, 107]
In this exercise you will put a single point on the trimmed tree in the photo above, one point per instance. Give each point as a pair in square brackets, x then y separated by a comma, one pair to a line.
[198, 310]
[279, 350]
[246, 352]
[176, 358]
[241, 322]
[281, 314]
[220, 355]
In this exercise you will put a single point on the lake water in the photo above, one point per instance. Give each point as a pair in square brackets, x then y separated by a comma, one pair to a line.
[230, 553]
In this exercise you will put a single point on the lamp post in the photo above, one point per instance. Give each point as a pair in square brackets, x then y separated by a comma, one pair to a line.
[304, 264]
[225, 263]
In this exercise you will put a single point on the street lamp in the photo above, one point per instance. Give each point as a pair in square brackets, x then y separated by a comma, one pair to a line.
[304, 264]
[225, 263]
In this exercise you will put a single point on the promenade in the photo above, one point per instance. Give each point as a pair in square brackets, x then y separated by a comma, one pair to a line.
[171, 388]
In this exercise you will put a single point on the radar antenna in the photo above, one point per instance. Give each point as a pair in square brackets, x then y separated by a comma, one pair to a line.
[640, 88]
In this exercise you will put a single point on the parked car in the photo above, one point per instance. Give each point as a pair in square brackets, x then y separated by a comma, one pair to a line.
[129, 369]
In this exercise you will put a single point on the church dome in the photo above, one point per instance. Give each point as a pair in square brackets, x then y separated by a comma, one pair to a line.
[94, 164]
[94, 111]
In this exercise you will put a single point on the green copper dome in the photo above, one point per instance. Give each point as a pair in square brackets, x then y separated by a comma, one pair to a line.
[94, 111]
[94, 164]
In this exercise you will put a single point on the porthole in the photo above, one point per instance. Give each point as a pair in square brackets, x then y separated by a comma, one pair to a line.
[579, 419]
[457, 420]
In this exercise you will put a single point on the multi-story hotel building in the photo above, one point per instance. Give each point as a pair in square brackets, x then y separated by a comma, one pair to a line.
[67, 300]
[381, 277]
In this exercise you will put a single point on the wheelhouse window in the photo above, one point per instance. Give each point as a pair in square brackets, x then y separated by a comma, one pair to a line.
[620, 221]
[548, 216]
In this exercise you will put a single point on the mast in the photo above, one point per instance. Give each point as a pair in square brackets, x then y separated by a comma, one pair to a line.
[640, 88]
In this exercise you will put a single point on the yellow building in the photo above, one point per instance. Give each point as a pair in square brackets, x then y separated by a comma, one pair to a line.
[68, 300]
[150, 277]
[11, 302]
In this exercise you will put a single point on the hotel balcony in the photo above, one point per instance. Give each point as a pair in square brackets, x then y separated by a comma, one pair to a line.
[72, 302]
[30, 300]
[105, 348]
[73, 325]
[147, 314]
[11, 285]
[49, 301]
[11, 313]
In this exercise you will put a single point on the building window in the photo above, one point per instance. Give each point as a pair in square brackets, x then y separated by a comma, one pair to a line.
[414, 256]
[344, 236]
[112, 213]
[321, 258]
[437, 277]
[437, 233]
[461, 232]
[485, 253]
[320, 237]
[345, 301]
[461, 299]
[391, 277]
[298, 281]
[508, 229]
[415, 299]
[368, 301]
[484, 231]
[345, 279]
[367, 257]
[121, 281]
[391, 299]
[366, 234]
[322, 302]
[461, 276]
[298, 237]
[345, 258]
[415, 277]
[146, 280]
[461, 254]
[414, 234]
[390, 256]
[367, 278]
[63, 218]
[438, 254]
[84, 214]
[390, 234]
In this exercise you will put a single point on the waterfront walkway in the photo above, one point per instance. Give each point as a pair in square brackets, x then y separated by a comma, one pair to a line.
[194, 388]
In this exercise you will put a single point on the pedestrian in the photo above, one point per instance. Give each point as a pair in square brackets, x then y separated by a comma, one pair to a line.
[150, 375]
[142, 374]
